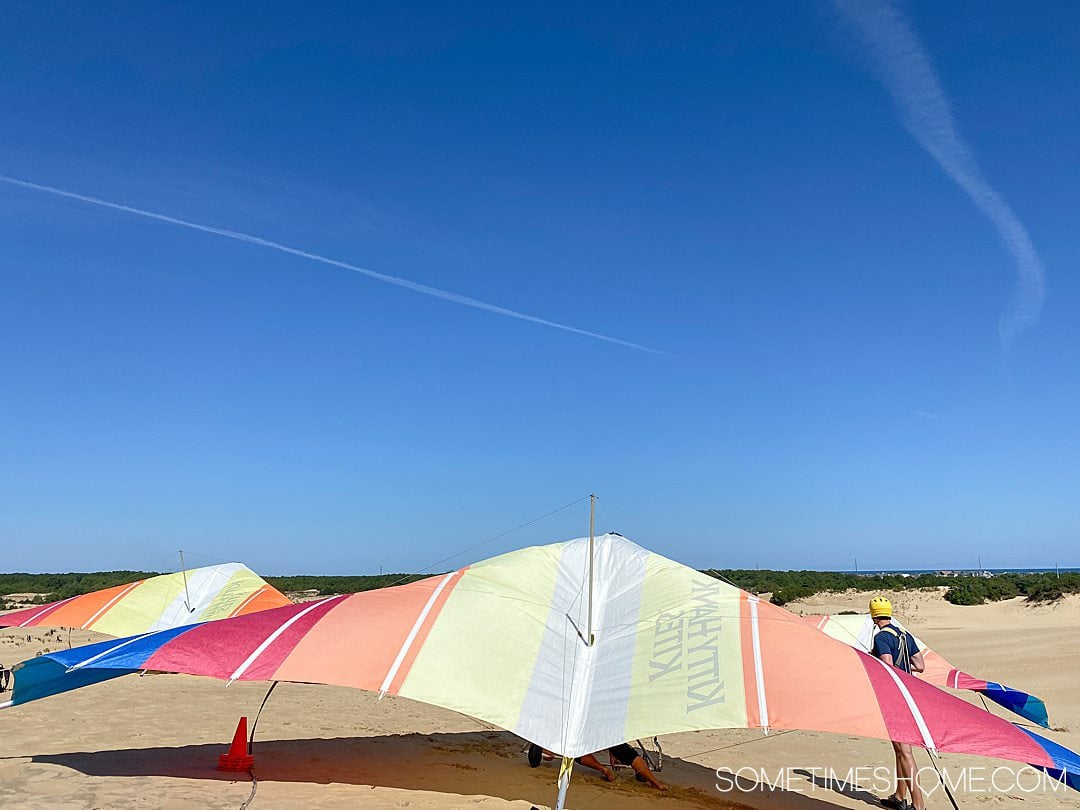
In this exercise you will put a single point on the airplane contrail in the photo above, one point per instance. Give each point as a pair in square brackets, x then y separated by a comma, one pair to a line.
[423, 289]
[908, 73]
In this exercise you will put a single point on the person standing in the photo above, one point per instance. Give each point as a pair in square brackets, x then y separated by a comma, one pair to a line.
[896, 647]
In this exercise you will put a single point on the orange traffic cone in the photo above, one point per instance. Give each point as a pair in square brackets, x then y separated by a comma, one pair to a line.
[238, 758]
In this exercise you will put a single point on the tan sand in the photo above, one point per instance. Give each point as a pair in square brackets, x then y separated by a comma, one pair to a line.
[154, 741]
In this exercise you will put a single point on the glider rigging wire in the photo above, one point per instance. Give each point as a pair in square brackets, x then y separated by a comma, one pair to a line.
[492, 539]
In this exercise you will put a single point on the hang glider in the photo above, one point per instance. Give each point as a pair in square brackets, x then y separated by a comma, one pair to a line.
[157, 603]
[858, 630]
[507, 640]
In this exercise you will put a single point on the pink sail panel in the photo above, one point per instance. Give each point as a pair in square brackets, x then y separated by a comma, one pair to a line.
[878, 700]
[858, 630]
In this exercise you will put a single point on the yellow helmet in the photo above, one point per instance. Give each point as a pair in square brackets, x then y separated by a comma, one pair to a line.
[880, 608]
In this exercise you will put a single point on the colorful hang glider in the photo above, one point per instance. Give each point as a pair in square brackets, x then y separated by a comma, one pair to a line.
[507, 641]
[858, 630]
[157, 603]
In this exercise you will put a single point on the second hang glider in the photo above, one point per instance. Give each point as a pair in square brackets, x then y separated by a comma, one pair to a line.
[858, 630]
[157, 603]
[507, 641]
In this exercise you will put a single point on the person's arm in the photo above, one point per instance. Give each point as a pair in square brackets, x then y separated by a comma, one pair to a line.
[917, 662]
[883, 649]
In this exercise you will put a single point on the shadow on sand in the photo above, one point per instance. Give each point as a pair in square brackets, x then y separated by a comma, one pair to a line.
[841, 787]
[467, 763]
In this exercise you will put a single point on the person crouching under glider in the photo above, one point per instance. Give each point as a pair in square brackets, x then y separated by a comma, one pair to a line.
[897, 648]
[623, 753]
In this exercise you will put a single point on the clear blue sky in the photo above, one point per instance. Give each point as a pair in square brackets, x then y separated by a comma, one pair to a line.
[730, 184]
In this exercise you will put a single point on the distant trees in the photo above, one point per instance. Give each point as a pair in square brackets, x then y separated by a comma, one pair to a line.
[341, 583]
[1046, 587]
[787, 586]
[784, 586]
[62, 586]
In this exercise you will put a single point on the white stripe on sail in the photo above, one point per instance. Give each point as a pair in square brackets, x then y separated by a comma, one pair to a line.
[46, 610]
[273, 637]
[409, 639]
[755, 634]
[110, 603]
[250, 596]
[104, 653]
[916, 712]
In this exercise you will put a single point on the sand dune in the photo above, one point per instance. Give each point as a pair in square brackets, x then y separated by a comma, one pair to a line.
[153, 741]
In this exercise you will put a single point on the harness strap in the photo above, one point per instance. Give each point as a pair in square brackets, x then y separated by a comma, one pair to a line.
[903, 655]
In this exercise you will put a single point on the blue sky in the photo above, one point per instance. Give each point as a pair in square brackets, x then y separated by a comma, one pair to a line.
[739, 188]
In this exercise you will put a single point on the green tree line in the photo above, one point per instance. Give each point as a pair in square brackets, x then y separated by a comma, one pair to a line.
[342, 584]
[784, 586]
[787, 586]
[62, 586]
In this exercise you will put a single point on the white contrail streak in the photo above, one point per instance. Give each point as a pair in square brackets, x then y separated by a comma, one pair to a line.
[423, 289]
[908, 74]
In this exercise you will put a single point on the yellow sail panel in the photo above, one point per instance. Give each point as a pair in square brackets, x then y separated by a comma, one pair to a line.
[490, 631]
[688, 661]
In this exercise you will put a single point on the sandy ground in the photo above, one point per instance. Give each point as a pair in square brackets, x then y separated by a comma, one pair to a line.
[153, 741]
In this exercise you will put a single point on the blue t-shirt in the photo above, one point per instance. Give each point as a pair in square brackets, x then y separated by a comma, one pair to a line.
[887, 642]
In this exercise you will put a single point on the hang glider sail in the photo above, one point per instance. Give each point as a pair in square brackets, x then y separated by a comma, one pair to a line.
[507, 640]
[157, 603]
[858, 630]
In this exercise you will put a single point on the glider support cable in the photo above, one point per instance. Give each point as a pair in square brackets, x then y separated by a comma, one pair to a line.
[499, 536]
[254, 788]
[738, 744]
[258, 714]
[251, 744]
[942, 781]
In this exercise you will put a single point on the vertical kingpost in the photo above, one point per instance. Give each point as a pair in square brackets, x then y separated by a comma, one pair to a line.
[592, 524]
[187, 594]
